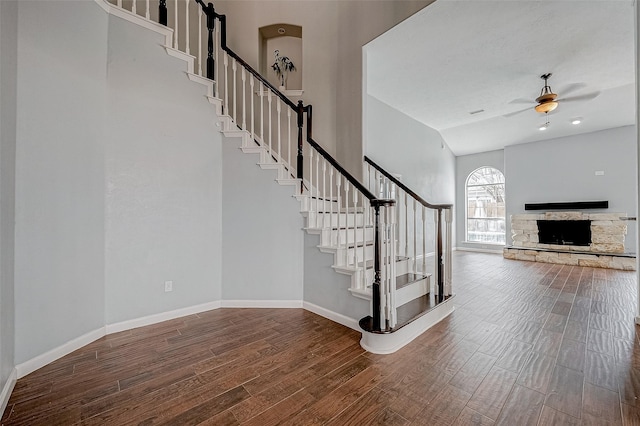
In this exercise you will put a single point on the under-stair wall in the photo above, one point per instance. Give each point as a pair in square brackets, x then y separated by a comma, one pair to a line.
[262, 235]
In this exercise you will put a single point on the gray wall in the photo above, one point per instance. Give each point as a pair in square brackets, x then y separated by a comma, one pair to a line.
[163, 181]
[407, 147]
[262, 234]
[564, 169]
[59, 248]
[8, 96]
[466, 164]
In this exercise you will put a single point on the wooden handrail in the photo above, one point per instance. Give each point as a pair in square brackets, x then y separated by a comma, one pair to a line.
[406, 188]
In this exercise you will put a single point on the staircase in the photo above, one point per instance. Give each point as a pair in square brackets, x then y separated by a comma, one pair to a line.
[394, 246]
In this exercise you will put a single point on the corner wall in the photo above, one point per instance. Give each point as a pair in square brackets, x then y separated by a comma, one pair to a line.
[8, 100]
[59, 246]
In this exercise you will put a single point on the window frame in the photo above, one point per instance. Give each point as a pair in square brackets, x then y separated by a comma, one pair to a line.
[466, 206]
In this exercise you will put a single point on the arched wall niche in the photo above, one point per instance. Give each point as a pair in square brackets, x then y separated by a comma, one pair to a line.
[287, 38]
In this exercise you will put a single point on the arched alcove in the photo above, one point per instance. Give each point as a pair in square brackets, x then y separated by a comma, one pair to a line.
[287, 38]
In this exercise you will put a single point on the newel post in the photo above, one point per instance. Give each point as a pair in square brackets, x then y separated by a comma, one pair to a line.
[300, 158]
[162, 12]
[210, 12]
[375, 287]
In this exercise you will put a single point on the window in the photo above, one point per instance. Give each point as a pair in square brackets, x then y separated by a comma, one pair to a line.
[485, 206]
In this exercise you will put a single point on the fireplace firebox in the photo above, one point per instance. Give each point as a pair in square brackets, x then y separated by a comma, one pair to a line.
[564, 232]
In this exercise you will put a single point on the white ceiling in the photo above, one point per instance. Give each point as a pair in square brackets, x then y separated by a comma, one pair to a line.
[454, 57]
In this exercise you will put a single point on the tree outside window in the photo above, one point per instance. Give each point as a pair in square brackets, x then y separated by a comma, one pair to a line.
[485, 206]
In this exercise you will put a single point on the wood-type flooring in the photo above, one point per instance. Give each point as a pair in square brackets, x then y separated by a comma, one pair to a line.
[528, 344]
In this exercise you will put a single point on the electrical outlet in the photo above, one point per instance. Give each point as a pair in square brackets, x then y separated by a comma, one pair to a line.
[168, 286]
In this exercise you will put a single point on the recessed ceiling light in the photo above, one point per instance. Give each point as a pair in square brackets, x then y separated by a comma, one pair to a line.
[576, 121]
[281, 30]
[543, 127]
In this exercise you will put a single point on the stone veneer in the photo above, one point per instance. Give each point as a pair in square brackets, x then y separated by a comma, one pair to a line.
[608, 232]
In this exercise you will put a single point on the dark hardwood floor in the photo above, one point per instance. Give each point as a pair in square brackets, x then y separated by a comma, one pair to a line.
[528, 344]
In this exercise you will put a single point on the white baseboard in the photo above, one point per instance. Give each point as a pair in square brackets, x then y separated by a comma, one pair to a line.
[6, 390]
[261, 304]
[48, 357]
[163, 316]
[333, 316]
[480, 250]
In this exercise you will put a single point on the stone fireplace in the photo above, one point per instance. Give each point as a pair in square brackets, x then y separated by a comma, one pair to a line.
[572, 238]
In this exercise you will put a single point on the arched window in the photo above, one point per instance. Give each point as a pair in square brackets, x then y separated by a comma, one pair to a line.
[485, 206]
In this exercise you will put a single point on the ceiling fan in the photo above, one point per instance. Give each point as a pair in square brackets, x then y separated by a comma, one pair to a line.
[547, 101]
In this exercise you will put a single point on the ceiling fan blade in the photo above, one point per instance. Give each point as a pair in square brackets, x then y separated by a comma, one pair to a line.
[585, 97]
[511, 114]
[572, 88]
[522, 101]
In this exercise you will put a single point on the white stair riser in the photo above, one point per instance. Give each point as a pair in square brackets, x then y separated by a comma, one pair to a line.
[412, 291]
[333, 237]
[313, 205]
[330, 220]
[402, 267]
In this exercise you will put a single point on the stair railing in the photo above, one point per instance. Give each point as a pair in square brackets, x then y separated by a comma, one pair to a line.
[365, 224]
[418, 222]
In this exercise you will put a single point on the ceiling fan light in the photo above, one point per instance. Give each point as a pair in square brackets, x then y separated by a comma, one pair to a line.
[576, 121]
[546, 107]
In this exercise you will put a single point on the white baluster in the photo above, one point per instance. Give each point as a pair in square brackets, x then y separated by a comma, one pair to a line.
[199, 40]
[262, 140]
[269, 121]
[186, 26]
[365, 211]
[331, 197]
[392, 257]
[234, 68]
[244, 99]
[147, 13]
[406, 224]
[324, 191]
[354, 215]
[310, 188]
[215, 54]
[346, 224]
[175, 28]
[226, 82]
[318, 208]
[119, 3]
[338, 185]
[424, 240]
[289, 144]
[134, 7]
[253, 118]
[279, 110]
[448, 218]
[415, 238]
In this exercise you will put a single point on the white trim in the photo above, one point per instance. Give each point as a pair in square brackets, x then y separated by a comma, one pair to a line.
[56, 353]
[7, 389]
[391, 342]
[333, 316]
[163, 316]
[283, 304]
[480, 250]
[136, 19]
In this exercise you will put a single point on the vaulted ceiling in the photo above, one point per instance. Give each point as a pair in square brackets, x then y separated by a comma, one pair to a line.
[457, 57]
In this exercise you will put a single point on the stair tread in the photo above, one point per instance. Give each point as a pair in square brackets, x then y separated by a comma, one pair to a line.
[408, 279]
[408, 312]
